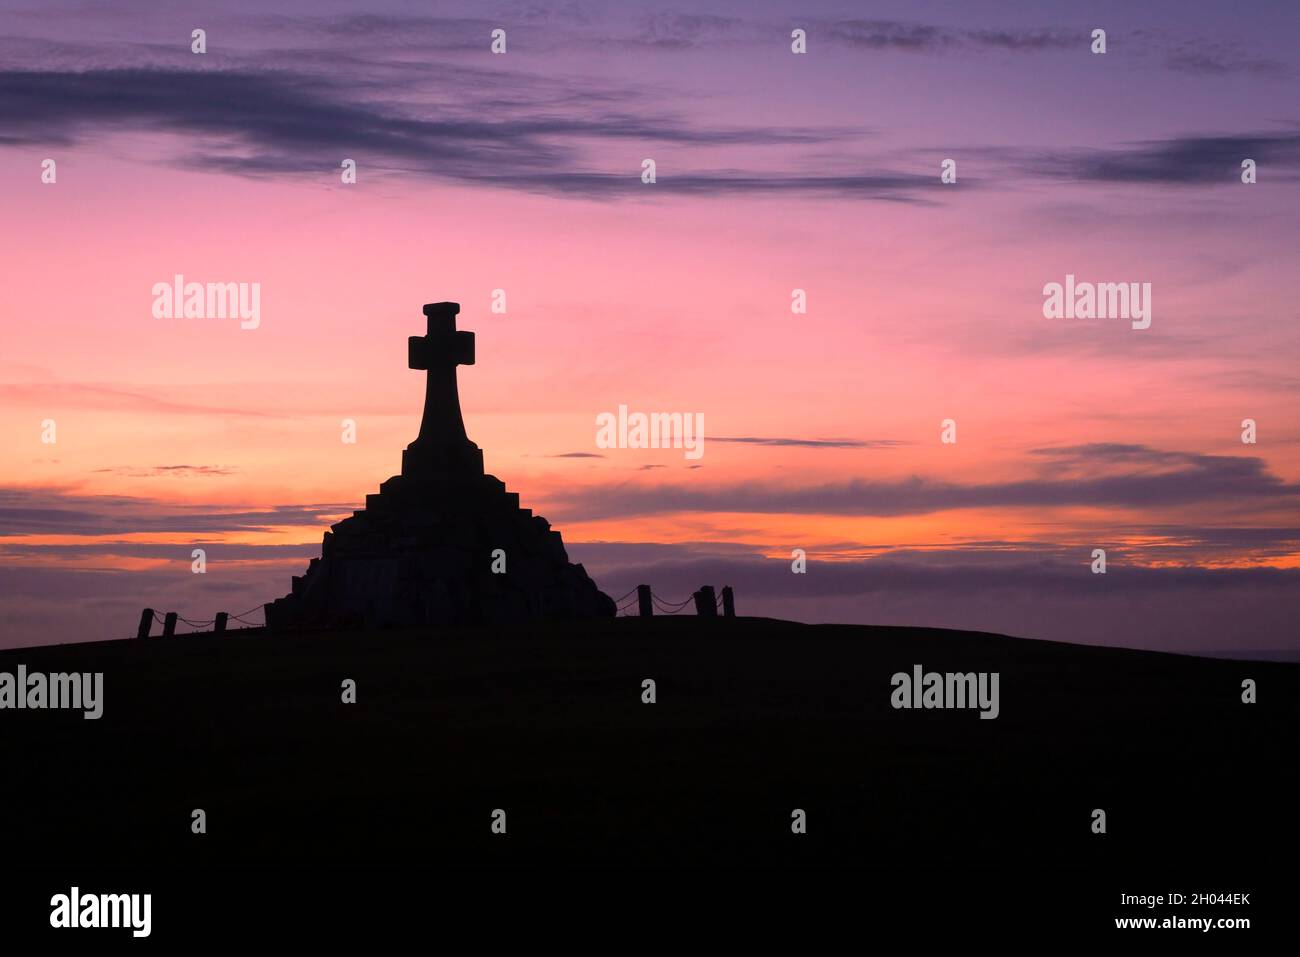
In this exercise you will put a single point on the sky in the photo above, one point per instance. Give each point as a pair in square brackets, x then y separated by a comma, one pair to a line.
[774, 172]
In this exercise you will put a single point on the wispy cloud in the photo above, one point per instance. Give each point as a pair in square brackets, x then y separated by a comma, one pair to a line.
[911, 37]
[1218, 58]
[669, 30]
[116, 398]
[943, 572]
[673, 30]
[1176, 161]
[184, 471]
[38, 511]
[811, 443]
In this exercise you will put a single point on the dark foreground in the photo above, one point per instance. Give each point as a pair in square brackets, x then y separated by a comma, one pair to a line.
[754, 719]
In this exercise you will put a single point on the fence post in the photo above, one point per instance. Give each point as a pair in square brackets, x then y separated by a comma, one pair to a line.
[728, 602]
[146, 622]
[706, 603]
[169, 624]
[644, 606]
[219, 626]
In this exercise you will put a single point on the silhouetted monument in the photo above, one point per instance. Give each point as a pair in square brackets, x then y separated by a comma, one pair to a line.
[423, 550]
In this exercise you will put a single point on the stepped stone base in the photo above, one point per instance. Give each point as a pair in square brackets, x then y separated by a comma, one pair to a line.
[420, 553]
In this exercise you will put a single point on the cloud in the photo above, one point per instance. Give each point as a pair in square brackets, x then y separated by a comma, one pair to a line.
[893, 187]
[275, 123]
[1225, 537]
[671, 30]
[185, 471]
[1177, 161]
[519, 132]
[666, 31]
[436, 33]
[53, 394]
[1027, 41]
[47, 605]
[1036, 591]
[1095, 475]
[1221, 59]
[947, 572]
[1046, 592]
[292, 555]
[47, 511]
[1111, 453]
[812, 443]
[107, 397]
[926, 38]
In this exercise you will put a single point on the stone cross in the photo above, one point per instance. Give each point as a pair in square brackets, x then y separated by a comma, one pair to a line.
[442, 447]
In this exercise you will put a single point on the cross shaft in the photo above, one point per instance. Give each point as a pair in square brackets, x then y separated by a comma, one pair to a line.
[442, 441]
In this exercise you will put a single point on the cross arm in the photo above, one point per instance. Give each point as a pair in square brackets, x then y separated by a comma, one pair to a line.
[432, 351]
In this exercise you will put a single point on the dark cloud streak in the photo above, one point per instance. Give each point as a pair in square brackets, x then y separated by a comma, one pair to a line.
[811, 443]
[1179, 161]
[276, 123]
[52, 511]
[925, 38]
[1103, 475]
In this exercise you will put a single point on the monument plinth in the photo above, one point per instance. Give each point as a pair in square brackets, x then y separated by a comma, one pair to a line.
[442, 543]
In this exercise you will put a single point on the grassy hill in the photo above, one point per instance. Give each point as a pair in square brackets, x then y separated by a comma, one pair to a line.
[753, 719]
